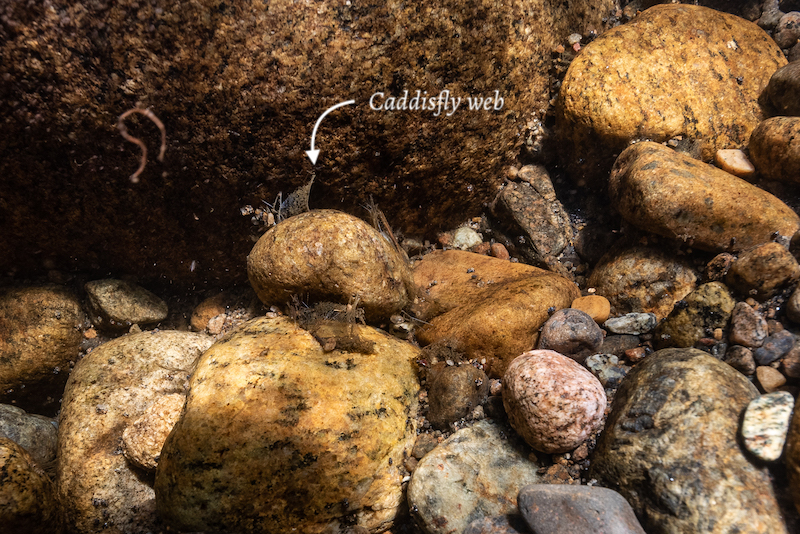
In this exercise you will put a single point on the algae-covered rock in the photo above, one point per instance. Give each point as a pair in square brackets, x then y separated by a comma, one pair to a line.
[703, 310]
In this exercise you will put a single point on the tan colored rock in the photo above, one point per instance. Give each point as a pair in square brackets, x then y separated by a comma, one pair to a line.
[27, 498]
[775, 148]
[493, 317]
[280, 436]
[735, 162]
[39, 336]
[674, 70]
[107, 391]
[642, 280]
[770, 379]
[596, 306]
[699, 204]
[329, 255]
[707, 308]
[143, 439]
[760, 272]
[120, 304]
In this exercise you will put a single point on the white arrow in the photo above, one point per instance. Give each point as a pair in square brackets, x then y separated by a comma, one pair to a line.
[314, 154]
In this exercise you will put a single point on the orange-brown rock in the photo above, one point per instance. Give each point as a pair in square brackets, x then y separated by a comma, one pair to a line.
[775, 148]
[761, 271]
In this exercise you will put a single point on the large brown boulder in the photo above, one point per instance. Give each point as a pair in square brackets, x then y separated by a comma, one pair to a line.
[238, 86]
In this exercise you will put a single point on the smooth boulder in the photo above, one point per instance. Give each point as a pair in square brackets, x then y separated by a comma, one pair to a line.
[775, 148]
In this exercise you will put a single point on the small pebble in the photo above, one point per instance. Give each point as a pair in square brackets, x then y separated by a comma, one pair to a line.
[635, 355]
[607, 368]
[783, 88]
[791, 362]
[765, 424]
[762, 270]
[793, 306]
[769, 378]
[619, 343]
[632, 323]
[774, 347]
[504, 524]
[787, 31]
[748, 328]
[596, 306]
[465, 238]
[734, 161]
[498, 250]
[572, 333]
[741, 359]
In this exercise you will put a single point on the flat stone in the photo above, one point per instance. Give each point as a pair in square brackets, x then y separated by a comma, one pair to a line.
[476, 472]
[674, 70]
[596, 306]
[280, 434]
[34, 433]
[454, 391]
[618, 344]
[41, 335]
[568, 509]
[741, 359]
[775, 148]
[699, 204]
[642, 280]
[632, 323]
[553, 402]
[669, 446]
[109, 389]
[774, 347]
[769, 379]
[760, 272]
[706, 308]
[748, 327]
[766, 424]
[572, 333]
[119, 304]
[783, 88]
[608, 369]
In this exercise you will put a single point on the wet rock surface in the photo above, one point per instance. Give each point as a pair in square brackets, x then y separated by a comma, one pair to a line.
[707, 308]
[763, 270]
[775, 148]
[119, 304]
[783, 88]
[572, 333]
[34, 433]
[766, 423]
[454, 392]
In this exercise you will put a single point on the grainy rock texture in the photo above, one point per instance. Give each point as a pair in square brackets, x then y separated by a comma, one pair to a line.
[741, 359]
[478, 471]
[116, 303]
[760, 272]
[327, 255]
[783, 88]
[27, 498]
[34, 433]
[552, 401]
[143, 439]
[642, 280]
[792, 455]
[454, 391]
[775, 148]
[108, 390]
[699, 203]
[706, 308]
[239, 86]
[279, 435]
[766, 423]
[572, 333]
[675, 70]
[748, 327]
[670, 448]
[39, 336]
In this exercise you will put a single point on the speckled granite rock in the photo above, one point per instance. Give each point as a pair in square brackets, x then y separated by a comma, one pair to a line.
[568, 509]
[607, 368]
[119, 304]
[239, 87]
[492, 308]
[632, 323]
[642, 280]
[761, 271]
[706, 308]
[34, 433]
[783, 88]
[27, 499]
[766, 423]
[552, 401]
[775, 148]
[502, 524]
[279, 435]
[699, 204]
[107, 391]
[144, 438]
[478, 471]
[670, 448]
[330, 255]
[39, 337]
[675, 70]
[748, 327]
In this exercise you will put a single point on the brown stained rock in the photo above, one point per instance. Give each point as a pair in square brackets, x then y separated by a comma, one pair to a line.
[454, 392]
[143, 439]
[674, 70]
[698, 203]
[27, 498]
[279, 435]
[239, 86]
[596, 306]
[328, 255]
[775, 148]
[670, 447]
[642, 280]
[783, 88]
[39, 337]
[705, 309]
[741, 359]
[552, 401]
[760, 272]
[107, 391]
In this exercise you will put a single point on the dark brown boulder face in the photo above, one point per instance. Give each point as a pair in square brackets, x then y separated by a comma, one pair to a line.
[238, 86]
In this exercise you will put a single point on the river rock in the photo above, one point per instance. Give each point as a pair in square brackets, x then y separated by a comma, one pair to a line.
[278, 434]
[329, 255]
[607, 368]
[238, 90]
[787, 32]
[741, 359]
[568, 509]
[673, 71]
[769, 379]
[572, 333]
[107, 391]
[454, 391]
[478, 471]
[552, 401]
[502, 524]
[40, 335]
[632, 324]
[27, 499]
[792, 455]
[596, 306]
[490, 309]
[34, 433]
[775, 148]
[698, 204]
[706, 308]
[670, 448]
[144, 438]
[766, 423]
[119, 304]
[642, 280]
[783, 88]
[774, 347]
[760, 272]
[748, 327]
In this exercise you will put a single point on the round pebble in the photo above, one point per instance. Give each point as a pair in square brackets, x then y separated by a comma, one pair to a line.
[632, 323]
[787, 31]
[748, 328]
[551, 401]
[783, 88]
[596, 306]
[769, 378]
[498, 250]
[762, 270]
[572, 333]
[793, 307]
[455, 391]
[465, 238]
[734, 161]
[741, 359]
[765, 424]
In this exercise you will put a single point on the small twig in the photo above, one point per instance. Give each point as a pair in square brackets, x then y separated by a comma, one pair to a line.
[135, 140]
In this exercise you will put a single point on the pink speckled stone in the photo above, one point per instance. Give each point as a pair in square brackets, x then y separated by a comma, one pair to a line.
[552, 401]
